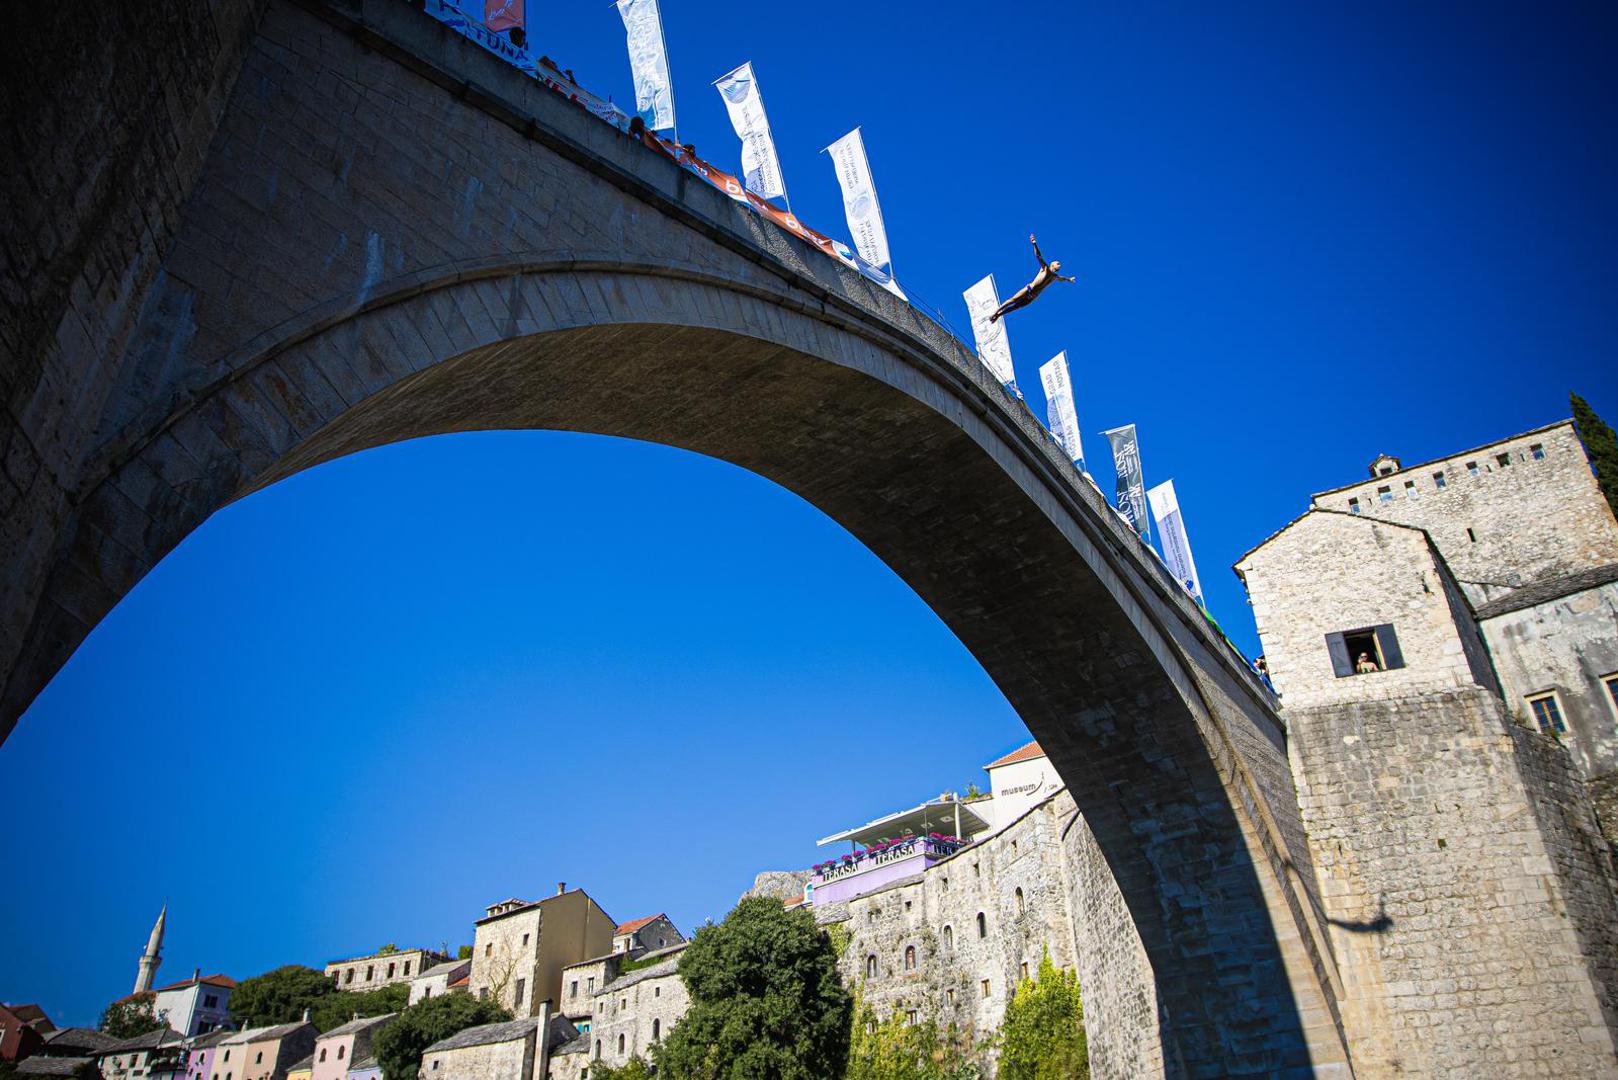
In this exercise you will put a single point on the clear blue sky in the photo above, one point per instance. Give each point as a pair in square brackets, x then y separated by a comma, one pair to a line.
[359, 706]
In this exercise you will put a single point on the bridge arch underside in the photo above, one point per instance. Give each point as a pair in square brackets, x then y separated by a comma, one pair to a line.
[976, 519]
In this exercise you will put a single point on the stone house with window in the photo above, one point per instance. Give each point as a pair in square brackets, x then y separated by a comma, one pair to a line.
[647, 934]
[361, 973]
[437, 980]
[514, 1050]
[1444, 638]
[520, 947]
[1494, 569]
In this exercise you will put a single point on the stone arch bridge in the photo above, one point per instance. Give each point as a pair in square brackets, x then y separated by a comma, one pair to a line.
[257, 235]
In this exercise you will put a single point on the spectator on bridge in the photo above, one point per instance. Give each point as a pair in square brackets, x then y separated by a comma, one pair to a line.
[1030, 292]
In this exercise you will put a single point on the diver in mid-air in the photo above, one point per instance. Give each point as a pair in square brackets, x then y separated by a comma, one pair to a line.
[1027, 294]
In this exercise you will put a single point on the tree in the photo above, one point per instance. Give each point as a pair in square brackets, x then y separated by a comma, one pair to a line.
[633, 1069]
[1602, 446]
[1042, 1036]
[766, 1000]
[399, 1046]
[279, 996]
[464, 953]
[334, 1010]
[895, 1049]
[131, 1016]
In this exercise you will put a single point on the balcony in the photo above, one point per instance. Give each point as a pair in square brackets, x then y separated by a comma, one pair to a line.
[862, 872]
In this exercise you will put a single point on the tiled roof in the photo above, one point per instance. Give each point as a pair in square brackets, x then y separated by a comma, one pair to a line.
[635, 924]
[361, 1024]
[33, 1016]
[156, 1037]
[485, 1035]
[1026, 752]
[212, 1038]
[40, 1065]
[366, 1062]
[464, 980]
[306, 1065]
[212, 980]
[1548, 589]
[79, 1038]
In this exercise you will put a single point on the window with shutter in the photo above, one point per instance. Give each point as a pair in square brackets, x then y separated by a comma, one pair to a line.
[1388, 643]
[1341, 665]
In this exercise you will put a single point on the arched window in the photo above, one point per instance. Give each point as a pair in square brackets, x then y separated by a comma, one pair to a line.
[870, 966]
[1022, 905]
[342, 1052]
[322, 1053]
[620, 1043]
[657, 1030]
[910, 958]
[949, 938]
[983, 926]
[598, 1050]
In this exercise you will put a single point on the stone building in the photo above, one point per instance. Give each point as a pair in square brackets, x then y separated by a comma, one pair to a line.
[520, 947]
[1444, 638]
[626, 1014]
[513, 1050]
[646, 934]
[373, 972]
[437, 980]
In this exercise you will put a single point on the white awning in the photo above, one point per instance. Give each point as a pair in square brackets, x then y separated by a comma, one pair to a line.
[938, 816]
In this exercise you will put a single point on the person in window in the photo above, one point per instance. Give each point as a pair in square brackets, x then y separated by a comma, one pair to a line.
[1030, 292]
[1365, 665]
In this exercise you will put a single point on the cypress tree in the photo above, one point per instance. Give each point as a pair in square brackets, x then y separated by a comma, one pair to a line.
[1601, 445]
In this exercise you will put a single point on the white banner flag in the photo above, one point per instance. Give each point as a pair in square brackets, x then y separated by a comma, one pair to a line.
[860, 207]
[1171, 533]
[761, 171]
[993, 348]
[1060, 415]
[649, 62]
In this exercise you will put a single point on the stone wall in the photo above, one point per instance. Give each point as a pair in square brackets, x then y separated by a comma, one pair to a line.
[1465, 888]
[1567, 645]
[922, 935]
[1115, 976]
[1506, 525]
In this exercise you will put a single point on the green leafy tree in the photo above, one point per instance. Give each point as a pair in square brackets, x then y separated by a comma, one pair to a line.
[1042, 1036]
[131, 1016]
[464, 953]
[1601, 444]
[279, 996]
[633, 1069]
[399, 1045]
[766, 1000]
[334, 1010]
[895, 1049]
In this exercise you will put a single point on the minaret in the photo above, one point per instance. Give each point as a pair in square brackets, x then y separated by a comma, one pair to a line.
[152, 957]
